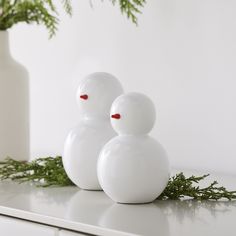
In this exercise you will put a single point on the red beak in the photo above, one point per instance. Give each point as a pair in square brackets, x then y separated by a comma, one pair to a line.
[84, 96]
[115, 116]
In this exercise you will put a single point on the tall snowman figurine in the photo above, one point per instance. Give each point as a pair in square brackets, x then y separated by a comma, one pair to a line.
[95, 95]
[133, 167]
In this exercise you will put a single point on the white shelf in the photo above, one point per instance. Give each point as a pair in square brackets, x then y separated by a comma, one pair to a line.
[93, 212]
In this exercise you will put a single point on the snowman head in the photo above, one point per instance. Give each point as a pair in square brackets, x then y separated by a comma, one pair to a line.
[96, 93]
[133, 114]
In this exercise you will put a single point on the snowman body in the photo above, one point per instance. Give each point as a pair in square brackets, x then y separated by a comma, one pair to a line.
[133, 167]
[84, 143]
[81, 152]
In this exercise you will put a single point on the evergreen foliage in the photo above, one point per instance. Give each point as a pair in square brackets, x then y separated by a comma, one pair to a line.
[43, 171]
[44, 12]
[180, 186]
[49, 171]
[130, 8]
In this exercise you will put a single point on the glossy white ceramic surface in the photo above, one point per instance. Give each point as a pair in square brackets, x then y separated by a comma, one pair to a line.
[14, 104]
[93, 212]
[133, 167]
[137, 114]
[81, 152]
[83, 144]
[101, 89]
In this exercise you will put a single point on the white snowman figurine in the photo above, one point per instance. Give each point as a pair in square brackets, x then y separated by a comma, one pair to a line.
[133, 167]
[95, 95]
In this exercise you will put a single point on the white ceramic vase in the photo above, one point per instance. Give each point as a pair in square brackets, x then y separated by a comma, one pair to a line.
[133, 167]
[14, 104]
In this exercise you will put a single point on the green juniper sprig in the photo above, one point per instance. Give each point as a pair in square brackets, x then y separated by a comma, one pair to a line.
[41, 12]
[49, 171]
[130, 8]
[180, 187]
[43, 171]
[44, 12]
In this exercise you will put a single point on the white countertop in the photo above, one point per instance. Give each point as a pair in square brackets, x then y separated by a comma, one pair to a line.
[93, 212]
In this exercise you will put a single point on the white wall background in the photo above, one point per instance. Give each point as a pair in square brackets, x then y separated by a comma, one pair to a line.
[183, 55]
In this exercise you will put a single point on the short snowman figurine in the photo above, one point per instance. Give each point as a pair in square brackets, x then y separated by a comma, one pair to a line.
[95, 95]
[133, 167]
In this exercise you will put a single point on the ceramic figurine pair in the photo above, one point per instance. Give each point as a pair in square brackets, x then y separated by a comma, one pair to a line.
[110, 148]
